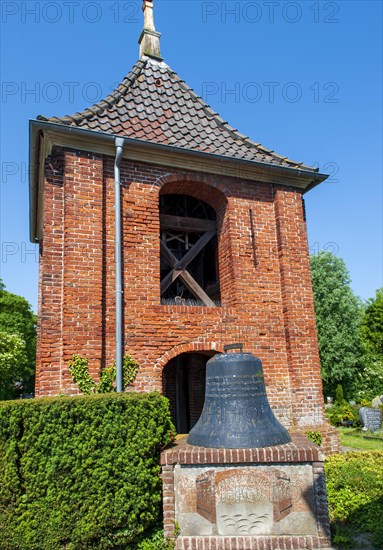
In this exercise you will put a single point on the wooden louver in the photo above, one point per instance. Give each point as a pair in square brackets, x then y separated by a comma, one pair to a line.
[179, 267]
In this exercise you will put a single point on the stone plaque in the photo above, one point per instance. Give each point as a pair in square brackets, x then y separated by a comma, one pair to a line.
[371, 418]
[245, 501]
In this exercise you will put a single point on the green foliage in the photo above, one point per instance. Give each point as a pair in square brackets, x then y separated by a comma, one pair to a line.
[156, 541]
[79, 369]
[369, 381]
[342, 414]
[18, 320]
[107, 378]
[372, 324]
[80, 473]
[338, 317]
[315, 437]
[129, 370]
[339, 395]
[12, 355]
[355, 496]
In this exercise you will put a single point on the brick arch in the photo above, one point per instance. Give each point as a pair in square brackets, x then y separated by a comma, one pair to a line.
[190, 347]
[207, 188]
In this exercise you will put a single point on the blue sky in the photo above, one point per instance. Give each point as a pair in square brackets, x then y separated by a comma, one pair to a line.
[302, 78]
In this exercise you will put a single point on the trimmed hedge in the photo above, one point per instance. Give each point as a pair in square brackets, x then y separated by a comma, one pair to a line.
[81, 472]
[355, 496]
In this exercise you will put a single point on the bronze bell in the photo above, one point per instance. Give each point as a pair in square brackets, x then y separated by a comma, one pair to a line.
[236, 412]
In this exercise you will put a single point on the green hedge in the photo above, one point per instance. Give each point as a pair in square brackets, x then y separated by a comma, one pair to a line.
[81, 472]
[355, 495]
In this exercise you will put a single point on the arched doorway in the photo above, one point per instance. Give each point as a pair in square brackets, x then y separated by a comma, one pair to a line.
[183, 383]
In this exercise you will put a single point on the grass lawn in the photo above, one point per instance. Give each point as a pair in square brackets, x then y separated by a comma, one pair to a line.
[358, 439]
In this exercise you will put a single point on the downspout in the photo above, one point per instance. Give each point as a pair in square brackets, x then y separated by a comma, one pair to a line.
[119, 142]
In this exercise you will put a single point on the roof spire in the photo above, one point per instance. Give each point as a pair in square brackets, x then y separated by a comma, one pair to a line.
[149, 40]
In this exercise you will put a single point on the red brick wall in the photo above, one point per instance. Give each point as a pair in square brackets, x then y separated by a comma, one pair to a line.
[266, 290]
[49, 340]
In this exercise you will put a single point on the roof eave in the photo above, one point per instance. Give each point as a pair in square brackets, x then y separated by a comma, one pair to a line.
[33, 181]
[103, 142]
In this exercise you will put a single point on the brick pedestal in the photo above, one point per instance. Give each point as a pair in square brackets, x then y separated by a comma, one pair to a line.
[260, 499]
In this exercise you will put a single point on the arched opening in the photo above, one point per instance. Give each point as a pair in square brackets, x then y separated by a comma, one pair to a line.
[189, 255]
[183, 383]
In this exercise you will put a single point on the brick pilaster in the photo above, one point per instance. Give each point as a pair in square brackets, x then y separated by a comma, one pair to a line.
[298, 308]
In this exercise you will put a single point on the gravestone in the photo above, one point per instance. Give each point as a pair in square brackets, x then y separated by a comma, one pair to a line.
[371, 418]
[377, 401]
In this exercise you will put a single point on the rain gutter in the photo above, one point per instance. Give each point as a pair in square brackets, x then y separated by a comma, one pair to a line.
[119, 143]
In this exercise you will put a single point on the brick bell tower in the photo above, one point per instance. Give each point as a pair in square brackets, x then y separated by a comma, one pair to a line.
[166, 234]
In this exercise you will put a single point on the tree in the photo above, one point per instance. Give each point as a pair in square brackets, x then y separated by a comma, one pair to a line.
[370, 381]
[372, 324]
[338, 317]
[18, 344]
[12, 357]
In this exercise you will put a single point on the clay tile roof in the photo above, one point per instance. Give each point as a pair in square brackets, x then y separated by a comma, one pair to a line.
[153, 104]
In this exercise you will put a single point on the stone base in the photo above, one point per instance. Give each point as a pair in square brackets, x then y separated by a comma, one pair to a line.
[263, 499]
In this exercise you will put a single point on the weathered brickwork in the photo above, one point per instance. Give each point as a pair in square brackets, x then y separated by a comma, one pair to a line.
[265, 283]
